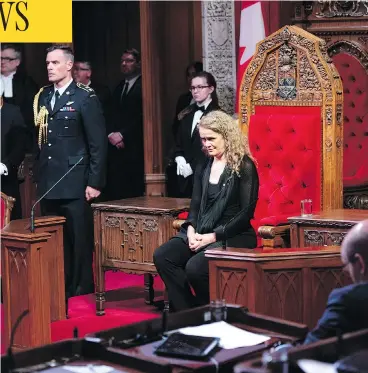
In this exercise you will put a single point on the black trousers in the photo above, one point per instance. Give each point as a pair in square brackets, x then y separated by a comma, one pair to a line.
[180, 268]
[78, 242]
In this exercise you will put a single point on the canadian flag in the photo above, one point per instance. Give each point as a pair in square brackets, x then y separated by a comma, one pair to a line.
[252, 30]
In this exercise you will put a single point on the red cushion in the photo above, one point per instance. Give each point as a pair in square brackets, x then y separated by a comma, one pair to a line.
[287, 148]
[183, 215]
[355, 83]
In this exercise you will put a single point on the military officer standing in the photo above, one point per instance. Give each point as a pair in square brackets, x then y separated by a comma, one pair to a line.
[71, 131]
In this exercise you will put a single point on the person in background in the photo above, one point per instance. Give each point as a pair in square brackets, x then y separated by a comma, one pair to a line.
[125, 169]
[186, 98]
[13, 149]
[184, 101]
[82, 73]
[71, 134]
[188, 147]
[224, 197]
[19, 88]
[347, 307]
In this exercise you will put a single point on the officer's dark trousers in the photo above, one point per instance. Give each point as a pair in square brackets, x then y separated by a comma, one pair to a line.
[78, 242]
[180, 268]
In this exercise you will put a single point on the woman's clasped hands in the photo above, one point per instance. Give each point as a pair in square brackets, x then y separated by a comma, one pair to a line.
[196, 241]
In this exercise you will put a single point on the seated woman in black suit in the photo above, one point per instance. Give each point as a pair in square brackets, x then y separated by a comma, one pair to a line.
[224, 196]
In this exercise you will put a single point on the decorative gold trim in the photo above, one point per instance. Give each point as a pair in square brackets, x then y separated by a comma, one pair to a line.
[9, 204]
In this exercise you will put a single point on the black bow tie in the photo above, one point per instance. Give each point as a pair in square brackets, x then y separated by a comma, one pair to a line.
[200, 108]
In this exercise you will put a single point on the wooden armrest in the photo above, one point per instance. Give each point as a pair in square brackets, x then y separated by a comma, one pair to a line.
[275, 236]
[177, 224]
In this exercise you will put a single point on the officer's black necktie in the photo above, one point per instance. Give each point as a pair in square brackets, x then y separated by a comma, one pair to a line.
[124, 91]
[57, 96]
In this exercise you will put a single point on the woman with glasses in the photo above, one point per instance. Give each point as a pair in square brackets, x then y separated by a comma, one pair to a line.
[224, 197]
[187, 142]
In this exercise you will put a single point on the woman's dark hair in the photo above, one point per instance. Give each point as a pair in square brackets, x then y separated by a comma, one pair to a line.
[134, 52]
[197, 66]
[211, 81]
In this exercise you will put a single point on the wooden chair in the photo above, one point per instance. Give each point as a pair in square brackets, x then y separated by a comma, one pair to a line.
[7, 204]
[352, 64]
[291, 108]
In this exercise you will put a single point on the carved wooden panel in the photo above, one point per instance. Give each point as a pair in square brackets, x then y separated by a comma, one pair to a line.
[130, 238]
[232, 285]
[314, 237]
[282, 294]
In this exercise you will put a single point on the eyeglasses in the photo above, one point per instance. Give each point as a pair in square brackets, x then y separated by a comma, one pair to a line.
[8, 59]
[81, 69]
[199, 87]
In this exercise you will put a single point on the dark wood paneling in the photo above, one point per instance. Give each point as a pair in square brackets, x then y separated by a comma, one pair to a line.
[101, 31]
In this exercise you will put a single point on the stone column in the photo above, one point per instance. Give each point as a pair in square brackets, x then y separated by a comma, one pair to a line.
[219, 49]
[151, 78]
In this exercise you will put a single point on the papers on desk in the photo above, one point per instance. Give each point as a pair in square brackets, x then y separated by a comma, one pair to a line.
[90, 368]
[313, 366]
[230, 336]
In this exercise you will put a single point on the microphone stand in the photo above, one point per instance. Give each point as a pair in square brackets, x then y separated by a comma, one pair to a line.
[45, 194]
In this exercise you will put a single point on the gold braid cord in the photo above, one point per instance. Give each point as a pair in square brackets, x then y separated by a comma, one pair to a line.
[40, 119]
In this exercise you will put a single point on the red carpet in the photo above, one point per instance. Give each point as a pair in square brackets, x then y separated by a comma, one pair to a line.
[124, 305]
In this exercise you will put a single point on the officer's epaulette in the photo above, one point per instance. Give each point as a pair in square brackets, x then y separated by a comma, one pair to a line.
[185, 112]
[35, 101]
[85, 87]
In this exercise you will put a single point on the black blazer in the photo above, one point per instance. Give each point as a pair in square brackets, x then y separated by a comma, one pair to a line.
[103, 94]
[346, 311]
[183, 102]
[127, 118]
[24, 90]
[189, 145]
[13, 143]
[76, 128]
[230, 213]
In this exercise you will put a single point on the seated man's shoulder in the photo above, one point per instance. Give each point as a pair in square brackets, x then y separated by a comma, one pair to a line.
[353, 291]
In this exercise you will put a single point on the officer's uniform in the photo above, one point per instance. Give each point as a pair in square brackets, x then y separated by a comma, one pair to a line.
[72, 129]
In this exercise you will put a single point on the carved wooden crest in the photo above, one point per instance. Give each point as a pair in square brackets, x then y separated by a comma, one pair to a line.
[291, 67]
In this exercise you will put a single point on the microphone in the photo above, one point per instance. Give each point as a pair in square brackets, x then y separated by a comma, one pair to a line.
[48, 191]
[12, 335]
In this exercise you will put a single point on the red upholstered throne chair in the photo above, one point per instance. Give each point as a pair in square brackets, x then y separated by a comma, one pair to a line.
[290, 105]
[351, 61]
[7, 204]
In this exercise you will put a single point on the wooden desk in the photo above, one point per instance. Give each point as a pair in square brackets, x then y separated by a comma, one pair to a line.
[78, 353]
[292, 284]
[126, 234]
[328, 350]
[101, 349]
[277, 329]
[327, 228]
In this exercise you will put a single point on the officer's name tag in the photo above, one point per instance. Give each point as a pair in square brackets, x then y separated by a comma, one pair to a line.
[67, 108]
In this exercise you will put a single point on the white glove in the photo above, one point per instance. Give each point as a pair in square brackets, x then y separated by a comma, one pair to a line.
[180, 163]
[3, 169]
[187, 170]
